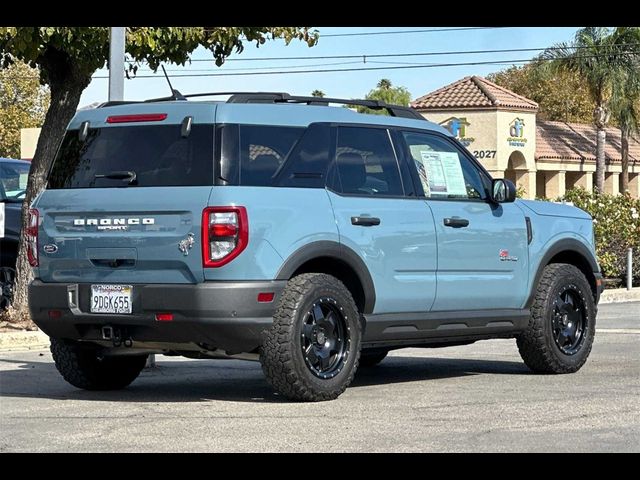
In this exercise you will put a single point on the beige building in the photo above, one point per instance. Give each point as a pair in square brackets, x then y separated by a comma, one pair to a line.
[501, 130]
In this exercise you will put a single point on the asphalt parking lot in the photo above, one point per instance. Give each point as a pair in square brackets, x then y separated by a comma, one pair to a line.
[475, 398]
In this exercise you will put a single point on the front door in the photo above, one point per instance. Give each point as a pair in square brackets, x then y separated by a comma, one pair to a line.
[392, 232]
[482, 246]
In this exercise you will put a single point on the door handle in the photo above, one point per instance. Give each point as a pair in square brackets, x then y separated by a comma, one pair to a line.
[456, 222]
[365, 221]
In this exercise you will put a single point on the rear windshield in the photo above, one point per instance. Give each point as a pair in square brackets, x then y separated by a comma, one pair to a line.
[157, 154]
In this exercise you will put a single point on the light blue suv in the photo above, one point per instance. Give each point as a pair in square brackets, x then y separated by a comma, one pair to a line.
[310, 237]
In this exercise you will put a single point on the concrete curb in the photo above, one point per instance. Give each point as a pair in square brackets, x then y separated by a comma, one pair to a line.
[617, 295]
[23, 340]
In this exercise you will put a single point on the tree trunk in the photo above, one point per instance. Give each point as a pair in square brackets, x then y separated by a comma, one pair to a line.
[624, 182]
[600, 163]
[65, 96]
[600, 118]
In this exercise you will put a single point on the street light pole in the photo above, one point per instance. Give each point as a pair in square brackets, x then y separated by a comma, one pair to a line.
[116, 63]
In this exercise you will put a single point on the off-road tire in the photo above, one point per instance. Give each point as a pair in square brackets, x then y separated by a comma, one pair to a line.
[281, 354]
[536, 344]
[371, 359]
[83, 368]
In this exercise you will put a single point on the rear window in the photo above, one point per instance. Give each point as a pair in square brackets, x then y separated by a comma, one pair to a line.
[157, 154]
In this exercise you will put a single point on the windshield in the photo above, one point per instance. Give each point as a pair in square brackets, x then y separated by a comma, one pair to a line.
[13, 181]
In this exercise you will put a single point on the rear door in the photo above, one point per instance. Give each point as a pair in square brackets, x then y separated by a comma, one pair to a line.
[125, 203]
[380, 219]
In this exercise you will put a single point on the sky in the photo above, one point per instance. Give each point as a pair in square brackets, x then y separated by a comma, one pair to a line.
[351, 84]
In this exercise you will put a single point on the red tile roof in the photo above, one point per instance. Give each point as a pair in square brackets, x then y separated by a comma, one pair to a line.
[473, 92]
[577, 141]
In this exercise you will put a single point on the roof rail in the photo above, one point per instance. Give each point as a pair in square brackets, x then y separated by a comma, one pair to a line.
[282, 97]
[393, 110]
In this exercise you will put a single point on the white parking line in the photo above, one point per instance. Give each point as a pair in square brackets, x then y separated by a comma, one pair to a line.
[618, 330]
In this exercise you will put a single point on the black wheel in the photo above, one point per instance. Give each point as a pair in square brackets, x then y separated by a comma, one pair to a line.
[311, 351]
[373, 358]
[82, 367]
[7, 279]
[562, 324]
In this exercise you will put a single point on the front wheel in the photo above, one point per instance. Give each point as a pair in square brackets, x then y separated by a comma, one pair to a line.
[311, 351]
[83, 367]
[562, 325]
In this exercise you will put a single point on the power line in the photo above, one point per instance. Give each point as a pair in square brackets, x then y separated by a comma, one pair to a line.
[361, 69]
[413, 54]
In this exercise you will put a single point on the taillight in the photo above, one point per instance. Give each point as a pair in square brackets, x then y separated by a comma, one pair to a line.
[31, 237]
[225, 234]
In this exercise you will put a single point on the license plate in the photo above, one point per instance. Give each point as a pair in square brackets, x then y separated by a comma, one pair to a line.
[111, 299]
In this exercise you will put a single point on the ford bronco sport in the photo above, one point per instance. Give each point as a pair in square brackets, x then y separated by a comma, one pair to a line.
[310, 237]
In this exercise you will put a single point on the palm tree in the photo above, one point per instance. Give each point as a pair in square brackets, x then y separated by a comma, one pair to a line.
[625, 107]
[384, 84]
[318, 93]
[599, 57]
[625, 101]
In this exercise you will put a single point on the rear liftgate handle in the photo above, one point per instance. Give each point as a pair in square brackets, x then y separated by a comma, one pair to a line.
[364, 221]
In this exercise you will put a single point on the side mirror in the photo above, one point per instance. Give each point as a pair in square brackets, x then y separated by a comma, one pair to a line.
[503, 191]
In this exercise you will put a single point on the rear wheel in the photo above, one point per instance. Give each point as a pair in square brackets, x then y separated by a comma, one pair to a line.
[84, 368]
[371, 359]
[311, 351]
[562, 324]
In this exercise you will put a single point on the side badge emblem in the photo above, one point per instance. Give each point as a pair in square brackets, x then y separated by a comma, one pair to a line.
[505, 257]
[50, 248]
[187, 244]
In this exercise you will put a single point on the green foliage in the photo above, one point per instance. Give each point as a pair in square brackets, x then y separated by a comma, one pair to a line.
[23, 104]
[318, 93]
[599, 57]
[521, 192]
[616, 222]
[83, 50]
[386, 92]
[625, 96]
[561, 95]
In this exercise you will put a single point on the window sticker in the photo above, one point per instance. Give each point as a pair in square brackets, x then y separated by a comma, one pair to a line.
[440, 172]
[24, 178]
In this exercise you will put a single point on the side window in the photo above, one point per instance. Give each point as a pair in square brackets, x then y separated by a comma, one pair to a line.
[262, 151]
[366, 163]
[443, 170]
[307, 164]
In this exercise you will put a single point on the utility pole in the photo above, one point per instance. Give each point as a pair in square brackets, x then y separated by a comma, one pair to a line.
[116, 63]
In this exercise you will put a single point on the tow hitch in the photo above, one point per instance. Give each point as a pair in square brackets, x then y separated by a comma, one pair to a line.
[118, 336]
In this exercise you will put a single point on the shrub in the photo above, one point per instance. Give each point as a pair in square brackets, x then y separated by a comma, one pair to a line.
[616, 223]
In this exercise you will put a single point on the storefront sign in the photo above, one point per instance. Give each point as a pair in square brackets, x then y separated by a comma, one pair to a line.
[458, 128]
[516, 133]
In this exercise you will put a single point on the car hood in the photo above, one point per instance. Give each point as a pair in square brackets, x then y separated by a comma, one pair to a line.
[553, 209]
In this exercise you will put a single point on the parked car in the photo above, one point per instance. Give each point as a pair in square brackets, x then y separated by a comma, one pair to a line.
[13, 185]
[311, 238]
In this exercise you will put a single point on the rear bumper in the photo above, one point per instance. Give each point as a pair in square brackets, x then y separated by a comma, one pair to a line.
[223, 315]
